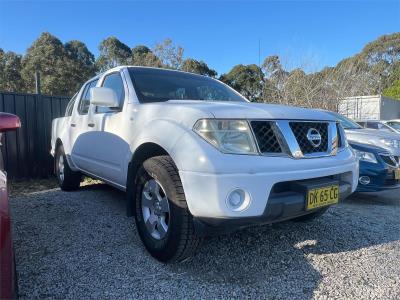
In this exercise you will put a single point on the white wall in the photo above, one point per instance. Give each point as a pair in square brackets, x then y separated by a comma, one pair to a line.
[361, 108]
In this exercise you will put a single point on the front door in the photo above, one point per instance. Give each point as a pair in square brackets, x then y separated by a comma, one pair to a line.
[109, 148]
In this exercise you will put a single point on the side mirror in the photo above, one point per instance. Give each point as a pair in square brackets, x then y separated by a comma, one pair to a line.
[9, 122]
[104, 97]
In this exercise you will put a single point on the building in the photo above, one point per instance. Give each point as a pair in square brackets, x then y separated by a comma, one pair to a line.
[376, 107]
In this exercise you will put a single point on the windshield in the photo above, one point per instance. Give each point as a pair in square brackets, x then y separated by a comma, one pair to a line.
[345, 122]
[155, 85]
[395, 125]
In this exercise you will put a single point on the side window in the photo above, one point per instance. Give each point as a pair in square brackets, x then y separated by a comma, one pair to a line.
[386, 128]
[114, 82]
[373, 125]
[70, 106]
[85, 99]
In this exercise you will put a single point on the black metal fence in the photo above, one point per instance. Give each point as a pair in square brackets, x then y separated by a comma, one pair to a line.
[26, 152]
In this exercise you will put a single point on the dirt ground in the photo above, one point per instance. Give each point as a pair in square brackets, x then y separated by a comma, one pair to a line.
[81, 245]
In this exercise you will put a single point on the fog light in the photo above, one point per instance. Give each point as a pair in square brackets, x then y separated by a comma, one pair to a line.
[364, 180]
[238, 200]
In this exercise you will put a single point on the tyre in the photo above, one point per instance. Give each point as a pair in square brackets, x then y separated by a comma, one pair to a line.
[163, 220]
[311, 216]
[68, 180]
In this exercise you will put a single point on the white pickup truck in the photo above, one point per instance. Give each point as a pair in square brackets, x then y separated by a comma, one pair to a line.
[197, 158]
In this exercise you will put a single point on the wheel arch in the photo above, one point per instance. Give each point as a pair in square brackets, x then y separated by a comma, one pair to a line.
[58, 143]
[143, 152]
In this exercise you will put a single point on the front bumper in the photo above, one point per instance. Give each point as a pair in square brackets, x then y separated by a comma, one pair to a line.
[280, 207]
[381, 175]
[207, 193]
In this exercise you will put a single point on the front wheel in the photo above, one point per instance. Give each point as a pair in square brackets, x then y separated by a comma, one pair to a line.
[68, 180]
[163, 220]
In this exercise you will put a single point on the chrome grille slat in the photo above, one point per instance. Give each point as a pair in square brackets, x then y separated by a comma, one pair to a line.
[289, 137]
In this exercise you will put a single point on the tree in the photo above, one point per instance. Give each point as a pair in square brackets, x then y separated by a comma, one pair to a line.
[246, 79]
[275, 78]
[198, 67]
[323, 89]
[48, 56]
[81, 64]
[393, 91]
[10, 72]
[63, 68]
[383, 58]
[143, 56]
[113, 53]
[171, 56]
[78, 51]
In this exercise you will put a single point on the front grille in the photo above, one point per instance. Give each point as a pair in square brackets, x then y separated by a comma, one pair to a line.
[300, 130]
[292, 138]
[391, 182]
[265, 136]
[388, 159]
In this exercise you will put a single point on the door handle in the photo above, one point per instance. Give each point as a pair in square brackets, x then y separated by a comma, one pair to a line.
[73, 125]
[90, 124]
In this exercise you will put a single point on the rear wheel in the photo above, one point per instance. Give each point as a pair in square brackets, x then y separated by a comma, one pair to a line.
[163, 220]
[68, 180]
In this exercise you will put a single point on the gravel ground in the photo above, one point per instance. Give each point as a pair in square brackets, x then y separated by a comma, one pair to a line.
[81, 245]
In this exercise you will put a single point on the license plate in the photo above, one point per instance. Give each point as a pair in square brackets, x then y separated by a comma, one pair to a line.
[322, 196]
[397, 174]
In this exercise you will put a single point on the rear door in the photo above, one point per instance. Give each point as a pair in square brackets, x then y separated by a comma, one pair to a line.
[82, 152]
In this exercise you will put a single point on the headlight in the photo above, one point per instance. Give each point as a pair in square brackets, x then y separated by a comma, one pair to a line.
[366, 156]
[228, 136]
[391, 143]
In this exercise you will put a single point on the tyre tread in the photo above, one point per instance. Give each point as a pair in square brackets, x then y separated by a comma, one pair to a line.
[189, 241]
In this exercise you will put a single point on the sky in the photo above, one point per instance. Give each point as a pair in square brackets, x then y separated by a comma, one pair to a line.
[308, 34]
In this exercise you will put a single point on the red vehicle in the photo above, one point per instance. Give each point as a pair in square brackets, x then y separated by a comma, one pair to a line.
[7, 267]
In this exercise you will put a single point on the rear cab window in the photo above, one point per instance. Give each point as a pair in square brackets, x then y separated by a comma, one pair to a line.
[70, 106]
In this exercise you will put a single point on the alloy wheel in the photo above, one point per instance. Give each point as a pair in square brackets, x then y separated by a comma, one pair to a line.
[155, 209]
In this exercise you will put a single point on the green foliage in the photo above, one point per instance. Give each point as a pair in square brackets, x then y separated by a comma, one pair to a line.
[143, 56]
[198, 67]
[393, 91]
[247, 80]
[48, 56]
[63, 68]
[81, 64]
[10, 72]
[379, 58]
[113, 53]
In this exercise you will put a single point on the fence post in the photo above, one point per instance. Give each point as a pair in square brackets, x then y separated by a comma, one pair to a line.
[37, 82]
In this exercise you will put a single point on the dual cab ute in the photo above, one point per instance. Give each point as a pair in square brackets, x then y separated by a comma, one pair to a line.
[196, 157]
